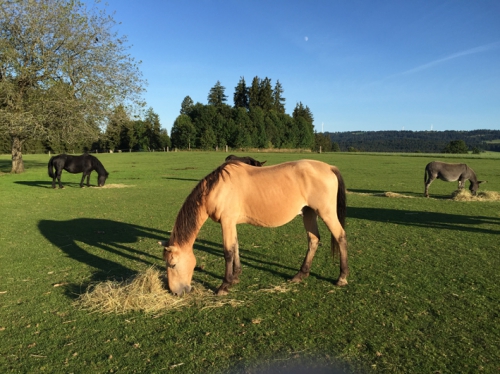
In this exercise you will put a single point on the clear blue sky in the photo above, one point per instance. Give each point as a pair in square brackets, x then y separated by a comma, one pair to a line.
[358, 65]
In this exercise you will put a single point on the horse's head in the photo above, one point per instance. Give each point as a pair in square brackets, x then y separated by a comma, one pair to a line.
[474, 186]
[101, 179]
[180, 268]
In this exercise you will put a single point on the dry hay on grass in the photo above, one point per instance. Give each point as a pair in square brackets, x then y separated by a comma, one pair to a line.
[383, 194]
[465, 195]
[147, 292]
[116, 185]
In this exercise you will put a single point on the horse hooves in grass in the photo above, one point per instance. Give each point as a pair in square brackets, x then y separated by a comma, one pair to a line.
[341, 282]
[298, 277]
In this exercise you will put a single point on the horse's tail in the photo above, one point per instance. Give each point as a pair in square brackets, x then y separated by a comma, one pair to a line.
[51, 167]
[341, 208]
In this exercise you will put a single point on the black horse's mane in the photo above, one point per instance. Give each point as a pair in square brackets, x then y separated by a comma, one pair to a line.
[186, 221]
[99, 167]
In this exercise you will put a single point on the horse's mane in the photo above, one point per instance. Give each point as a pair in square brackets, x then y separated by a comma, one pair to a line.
[97, 165]
[187, 218]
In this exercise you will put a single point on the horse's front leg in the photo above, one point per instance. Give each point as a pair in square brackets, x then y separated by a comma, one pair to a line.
[310, 219]
[232, 258]
[81, 182]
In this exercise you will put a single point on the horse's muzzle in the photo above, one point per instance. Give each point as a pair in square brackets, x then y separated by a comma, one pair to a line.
[181, 290]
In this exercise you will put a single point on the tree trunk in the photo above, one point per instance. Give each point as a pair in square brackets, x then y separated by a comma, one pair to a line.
[17, 156]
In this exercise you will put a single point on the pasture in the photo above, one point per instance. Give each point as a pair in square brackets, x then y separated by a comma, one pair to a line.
[423, 293]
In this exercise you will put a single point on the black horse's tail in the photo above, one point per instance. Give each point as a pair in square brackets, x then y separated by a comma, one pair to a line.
[51, 168]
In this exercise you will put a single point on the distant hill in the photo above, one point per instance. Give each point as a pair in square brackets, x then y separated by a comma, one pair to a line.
[414, 141]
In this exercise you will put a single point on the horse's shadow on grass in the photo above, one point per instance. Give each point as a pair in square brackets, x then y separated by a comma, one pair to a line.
[103, 245]
[255, 259]
[46, 184]
[433, 220]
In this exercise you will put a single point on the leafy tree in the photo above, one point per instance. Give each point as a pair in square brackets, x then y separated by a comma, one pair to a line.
[241, 94]
[456, 146]
[164, 139]
[323, 141]
[62, 69]
[242, 137]
[278, 99]
[208, 139]
[183, 132]
[216, 97]
[153, 128]
[187, 105]
[118, 121]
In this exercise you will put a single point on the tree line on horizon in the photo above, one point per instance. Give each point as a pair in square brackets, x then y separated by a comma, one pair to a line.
[416, 141]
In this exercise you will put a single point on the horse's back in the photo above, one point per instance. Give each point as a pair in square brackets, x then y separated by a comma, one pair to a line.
[273, 195]
[446, 171]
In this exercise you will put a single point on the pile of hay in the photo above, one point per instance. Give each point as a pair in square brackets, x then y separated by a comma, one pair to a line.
[115, 185]
[465, 195]
[382, 194]
[145, 292]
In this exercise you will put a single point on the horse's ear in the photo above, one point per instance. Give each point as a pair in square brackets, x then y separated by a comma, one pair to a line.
[479, 182]
[163, 244]
[263, 162]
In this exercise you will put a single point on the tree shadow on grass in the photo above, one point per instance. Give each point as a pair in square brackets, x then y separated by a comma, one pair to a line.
[107, 241]
[6, 165]
[433, 220]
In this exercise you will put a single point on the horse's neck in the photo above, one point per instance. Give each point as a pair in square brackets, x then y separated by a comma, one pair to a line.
[471, 175]
[183, 237]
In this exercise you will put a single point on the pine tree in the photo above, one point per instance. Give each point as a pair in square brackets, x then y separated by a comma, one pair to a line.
[266, 100]
[216, 96]
[253, 93]
[241, 94]
[278, 99]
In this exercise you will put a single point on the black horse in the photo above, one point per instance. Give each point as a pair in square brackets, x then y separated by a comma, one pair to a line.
[246, 160]
[76, 164]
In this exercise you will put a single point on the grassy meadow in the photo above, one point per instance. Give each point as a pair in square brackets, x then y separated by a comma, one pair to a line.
[423, 293]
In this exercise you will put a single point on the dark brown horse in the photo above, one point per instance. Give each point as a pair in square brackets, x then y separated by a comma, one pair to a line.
[76, 164]
[450, 173]
[246, 160]
[270, 196]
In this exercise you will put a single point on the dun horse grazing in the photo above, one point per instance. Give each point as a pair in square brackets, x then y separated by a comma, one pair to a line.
[268, 197]
[245, 160]
[77, 164]
[450, 173]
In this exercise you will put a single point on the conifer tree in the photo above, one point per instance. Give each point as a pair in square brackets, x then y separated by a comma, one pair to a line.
[216, 96]
[241, 94]
[278, 99]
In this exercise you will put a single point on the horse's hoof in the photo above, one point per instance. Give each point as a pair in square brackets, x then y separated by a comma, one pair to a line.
[298, 277]
[341, 282]
[222, 292]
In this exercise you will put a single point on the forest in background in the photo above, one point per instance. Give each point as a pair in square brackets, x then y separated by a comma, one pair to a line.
[414, 141]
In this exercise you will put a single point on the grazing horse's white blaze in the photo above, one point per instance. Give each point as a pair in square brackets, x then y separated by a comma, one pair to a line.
[261, 196]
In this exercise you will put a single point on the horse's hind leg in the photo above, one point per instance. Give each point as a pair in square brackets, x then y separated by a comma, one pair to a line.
[430, 178]
[310, 219]
[58, 176]
[339, 243]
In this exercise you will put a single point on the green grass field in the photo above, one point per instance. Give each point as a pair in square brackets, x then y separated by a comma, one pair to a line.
[423, 294]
